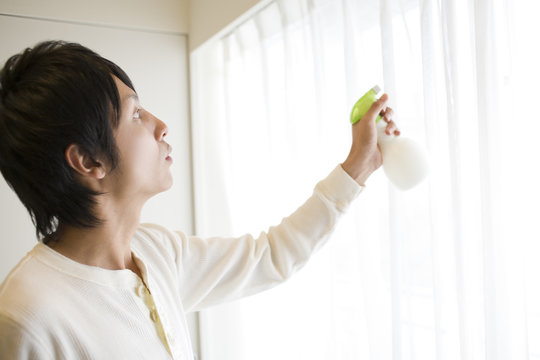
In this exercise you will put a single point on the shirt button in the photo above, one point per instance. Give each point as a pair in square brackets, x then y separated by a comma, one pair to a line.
[140, 290]
[153, 315]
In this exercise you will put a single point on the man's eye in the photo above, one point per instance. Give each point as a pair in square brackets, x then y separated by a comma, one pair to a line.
[137, 114]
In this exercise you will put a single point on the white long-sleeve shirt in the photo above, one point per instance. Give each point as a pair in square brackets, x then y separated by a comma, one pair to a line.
[52, 307]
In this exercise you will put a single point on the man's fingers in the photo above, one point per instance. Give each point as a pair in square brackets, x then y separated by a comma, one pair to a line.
[377, 107]
[387, 114]
[391, 128]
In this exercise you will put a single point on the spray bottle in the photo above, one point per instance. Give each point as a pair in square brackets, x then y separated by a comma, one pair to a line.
[404, 161]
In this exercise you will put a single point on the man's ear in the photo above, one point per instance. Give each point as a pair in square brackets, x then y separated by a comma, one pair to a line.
[84, 164]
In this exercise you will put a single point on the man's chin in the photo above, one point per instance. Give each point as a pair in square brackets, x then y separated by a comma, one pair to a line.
[168, 185]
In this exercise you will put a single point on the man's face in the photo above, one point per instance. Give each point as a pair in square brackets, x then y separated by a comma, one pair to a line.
[144, 161]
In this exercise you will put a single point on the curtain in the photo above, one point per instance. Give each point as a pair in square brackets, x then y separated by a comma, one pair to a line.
[447, 270]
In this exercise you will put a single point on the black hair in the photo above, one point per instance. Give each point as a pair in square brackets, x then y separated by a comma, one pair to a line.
[51, 96]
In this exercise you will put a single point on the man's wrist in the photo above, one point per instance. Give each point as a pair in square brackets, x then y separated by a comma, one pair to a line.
[359, 173]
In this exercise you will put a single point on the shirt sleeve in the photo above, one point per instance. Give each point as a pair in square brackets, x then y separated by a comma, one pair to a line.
[216, 270]
[18, 344]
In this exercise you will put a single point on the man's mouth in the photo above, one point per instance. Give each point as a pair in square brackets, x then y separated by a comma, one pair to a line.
[169, 150]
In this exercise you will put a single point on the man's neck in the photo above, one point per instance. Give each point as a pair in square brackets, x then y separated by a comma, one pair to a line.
[107, 246]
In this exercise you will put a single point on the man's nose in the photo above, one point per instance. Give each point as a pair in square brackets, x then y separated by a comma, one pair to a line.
[161, 129]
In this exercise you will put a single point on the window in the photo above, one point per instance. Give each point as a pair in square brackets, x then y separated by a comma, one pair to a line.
[447, 270]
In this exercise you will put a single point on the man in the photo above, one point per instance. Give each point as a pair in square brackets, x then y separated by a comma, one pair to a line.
[84, 156]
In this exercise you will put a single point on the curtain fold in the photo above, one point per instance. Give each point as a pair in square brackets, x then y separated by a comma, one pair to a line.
[447, 270]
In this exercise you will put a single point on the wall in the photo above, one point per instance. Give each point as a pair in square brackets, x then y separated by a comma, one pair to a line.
[155, 15]
[201, 19]
[210, 17]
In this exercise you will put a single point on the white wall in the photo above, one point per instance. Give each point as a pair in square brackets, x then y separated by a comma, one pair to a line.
[158, 15]
[210, 17]
[201, 19]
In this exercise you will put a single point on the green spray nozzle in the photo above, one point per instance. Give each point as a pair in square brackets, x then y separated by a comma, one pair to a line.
[362, 106]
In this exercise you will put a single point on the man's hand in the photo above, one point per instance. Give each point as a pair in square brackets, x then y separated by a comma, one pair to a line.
[365, 156]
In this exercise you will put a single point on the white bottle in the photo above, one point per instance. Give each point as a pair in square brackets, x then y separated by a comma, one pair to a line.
[404, 161]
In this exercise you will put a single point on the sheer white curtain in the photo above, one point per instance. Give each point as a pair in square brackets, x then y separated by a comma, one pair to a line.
[448, 270]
